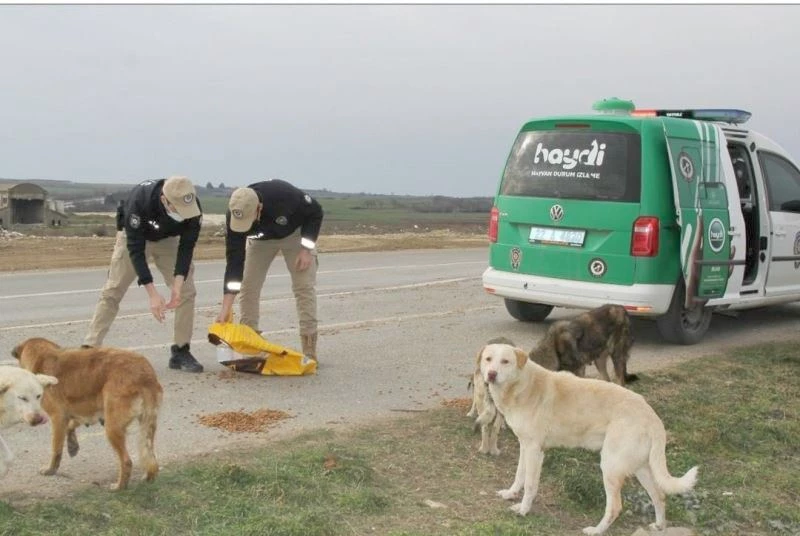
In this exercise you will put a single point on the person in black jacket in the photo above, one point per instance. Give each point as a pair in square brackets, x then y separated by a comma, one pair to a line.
[160, 220]
[263, 219]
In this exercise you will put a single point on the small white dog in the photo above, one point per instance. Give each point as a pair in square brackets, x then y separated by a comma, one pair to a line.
[557, 409]
[20, 401]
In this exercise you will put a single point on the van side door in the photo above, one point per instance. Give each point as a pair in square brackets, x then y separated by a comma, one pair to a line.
[782, 179]
[701, 204]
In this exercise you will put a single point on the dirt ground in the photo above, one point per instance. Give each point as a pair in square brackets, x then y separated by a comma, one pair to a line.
[29, 252]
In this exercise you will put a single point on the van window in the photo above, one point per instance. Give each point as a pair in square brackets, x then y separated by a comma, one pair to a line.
[742, 169]
[783, 181]
[574, 164]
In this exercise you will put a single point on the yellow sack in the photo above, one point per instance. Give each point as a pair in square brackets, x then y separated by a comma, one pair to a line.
[241, 348]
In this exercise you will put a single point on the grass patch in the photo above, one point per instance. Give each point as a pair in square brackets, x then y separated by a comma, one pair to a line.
[738, 416]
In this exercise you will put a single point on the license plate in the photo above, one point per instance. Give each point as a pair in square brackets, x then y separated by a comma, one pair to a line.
[552, 235]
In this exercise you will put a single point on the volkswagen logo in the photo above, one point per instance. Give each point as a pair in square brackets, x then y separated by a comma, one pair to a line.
[556, 212]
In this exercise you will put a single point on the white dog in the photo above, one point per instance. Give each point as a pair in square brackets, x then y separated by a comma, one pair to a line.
[20, 401]
[557, 409]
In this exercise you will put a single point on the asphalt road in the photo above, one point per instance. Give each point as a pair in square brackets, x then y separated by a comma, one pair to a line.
[399, 332]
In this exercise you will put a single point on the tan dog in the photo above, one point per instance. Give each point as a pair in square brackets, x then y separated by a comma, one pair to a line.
[483, 409]
[487, 418]
[556, 409]
[591, 337]
[20, 402]
[109, 385]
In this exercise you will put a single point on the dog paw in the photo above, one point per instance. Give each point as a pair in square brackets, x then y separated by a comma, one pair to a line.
[47, 471]
[520, 509]
[592, 530]
[656, 527]
[495, 452]
[508, 494]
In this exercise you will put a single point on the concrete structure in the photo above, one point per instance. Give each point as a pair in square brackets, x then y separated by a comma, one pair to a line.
[26, 203]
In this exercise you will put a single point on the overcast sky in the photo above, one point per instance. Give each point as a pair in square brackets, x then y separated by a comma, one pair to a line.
[407, 99]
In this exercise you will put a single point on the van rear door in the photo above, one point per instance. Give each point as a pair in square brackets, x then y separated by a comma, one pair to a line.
[701, 203]
[567, 203]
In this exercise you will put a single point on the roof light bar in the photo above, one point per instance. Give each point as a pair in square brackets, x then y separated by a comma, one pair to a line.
[725, 115]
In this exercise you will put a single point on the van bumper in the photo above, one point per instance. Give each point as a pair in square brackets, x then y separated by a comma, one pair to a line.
[640, 300]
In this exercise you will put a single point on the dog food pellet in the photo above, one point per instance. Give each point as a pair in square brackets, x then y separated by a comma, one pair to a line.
[458, 403]
[241, 421]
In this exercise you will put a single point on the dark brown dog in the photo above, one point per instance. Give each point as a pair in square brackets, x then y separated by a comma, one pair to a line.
[591, 337]
[109, 385]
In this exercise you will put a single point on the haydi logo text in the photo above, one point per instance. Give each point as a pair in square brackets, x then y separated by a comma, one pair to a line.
[569, 158]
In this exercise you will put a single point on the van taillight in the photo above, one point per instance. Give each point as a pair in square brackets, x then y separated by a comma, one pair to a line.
[494, 216]
[644, 241]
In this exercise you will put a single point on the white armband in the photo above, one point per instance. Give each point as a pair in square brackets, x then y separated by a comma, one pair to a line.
[308, 243]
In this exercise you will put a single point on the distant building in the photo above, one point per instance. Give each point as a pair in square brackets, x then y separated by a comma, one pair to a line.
[111, 201]
[26, 203]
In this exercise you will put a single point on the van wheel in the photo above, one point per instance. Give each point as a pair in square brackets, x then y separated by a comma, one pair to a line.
[680, 325]
[527, 312]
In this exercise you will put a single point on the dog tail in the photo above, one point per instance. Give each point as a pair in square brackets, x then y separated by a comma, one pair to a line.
[148, 422]
[488, 415]
[658, 466]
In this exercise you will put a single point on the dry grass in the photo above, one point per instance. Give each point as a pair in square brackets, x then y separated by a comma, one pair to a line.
[32, 253]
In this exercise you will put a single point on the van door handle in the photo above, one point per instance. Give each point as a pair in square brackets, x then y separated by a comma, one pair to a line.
[732, 232]
[779, 233]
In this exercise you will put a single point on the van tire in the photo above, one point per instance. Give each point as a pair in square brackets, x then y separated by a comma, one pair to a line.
[680, 325]
[527, 312]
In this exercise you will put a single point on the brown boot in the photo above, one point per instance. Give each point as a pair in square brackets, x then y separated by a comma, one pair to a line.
[309, 343]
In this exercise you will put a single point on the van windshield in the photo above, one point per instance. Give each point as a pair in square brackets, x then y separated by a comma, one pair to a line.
[574, 164]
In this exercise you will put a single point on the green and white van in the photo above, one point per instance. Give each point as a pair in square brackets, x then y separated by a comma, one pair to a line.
[671, 213]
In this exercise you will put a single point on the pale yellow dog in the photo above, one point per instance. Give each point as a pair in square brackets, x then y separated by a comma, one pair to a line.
[557, 409]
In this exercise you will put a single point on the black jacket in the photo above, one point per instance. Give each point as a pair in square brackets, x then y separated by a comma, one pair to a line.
[145, 219]
[284, 209]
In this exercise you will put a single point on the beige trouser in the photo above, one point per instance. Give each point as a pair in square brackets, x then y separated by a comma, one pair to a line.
[121, 275]
[259, 257]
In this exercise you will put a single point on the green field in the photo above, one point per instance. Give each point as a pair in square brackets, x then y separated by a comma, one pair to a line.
[384, 211]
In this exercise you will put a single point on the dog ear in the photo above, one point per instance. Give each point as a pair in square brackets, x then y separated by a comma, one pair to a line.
[578, 330]
[522, 357]
[478, 359]
[5, 385]
[46, 380]
[17, 351]
[566, 350]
